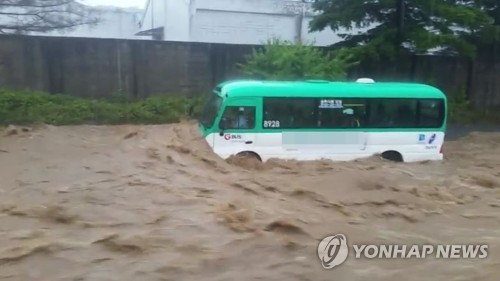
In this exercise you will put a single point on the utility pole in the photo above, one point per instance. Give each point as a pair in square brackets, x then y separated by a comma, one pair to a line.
[300, 19]
[152, 19]
[300, 22]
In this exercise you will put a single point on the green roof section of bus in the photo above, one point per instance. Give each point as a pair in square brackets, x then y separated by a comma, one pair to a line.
[252, 88]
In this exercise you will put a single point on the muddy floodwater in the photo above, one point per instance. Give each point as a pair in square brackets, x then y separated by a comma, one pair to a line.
[153, 203]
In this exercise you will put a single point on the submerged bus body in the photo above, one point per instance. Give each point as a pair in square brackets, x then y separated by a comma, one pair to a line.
[312, 120]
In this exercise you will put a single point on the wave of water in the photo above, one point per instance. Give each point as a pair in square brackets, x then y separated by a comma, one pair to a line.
[153, 203]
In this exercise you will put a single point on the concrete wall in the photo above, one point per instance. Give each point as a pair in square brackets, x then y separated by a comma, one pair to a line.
[102, 67]
[140, 68]
[241, 28]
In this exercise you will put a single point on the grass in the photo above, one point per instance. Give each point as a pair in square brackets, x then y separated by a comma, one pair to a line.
[24, 108]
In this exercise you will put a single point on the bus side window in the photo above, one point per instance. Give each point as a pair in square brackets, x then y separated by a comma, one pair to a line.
[380, 115]
[238, 117]
[273, 114]
[393, 113]
[431, 113]
[351, 114]
[289, 113]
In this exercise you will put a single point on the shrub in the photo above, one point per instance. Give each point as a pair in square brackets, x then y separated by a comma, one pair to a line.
[24, 107]
[283, 60]
[461, 111]
[459, 107]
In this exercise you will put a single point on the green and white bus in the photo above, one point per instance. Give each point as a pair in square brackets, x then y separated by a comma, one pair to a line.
[312, 120]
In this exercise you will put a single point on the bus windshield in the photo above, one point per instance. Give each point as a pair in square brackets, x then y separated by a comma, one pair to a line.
[210, 110]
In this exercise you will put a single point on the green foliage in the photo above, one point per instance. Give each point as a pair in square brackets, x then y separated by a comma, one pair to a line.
[461, 111]
[487, 39]
[427, 24]
[283, 60]
[459, 107]
[22, 107]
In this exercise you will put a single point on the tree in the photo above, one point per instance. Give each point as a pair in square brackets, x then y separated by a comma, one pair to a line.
[488, 39]
[283, 60]
[396, 26]
[26, 16]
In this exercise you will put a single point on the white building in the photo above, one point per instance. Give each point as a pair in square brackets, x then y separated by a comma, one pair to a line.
[231, 21]
[115, 23]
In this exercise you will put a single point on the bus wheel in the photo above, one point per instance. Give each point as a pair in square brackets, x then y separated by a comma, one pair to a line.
[392, 156]
[249, 155]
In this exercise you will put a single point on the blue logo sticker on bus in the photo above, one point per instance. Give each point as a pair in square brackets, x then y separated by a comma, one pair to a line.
[421, 137]
[432, 138]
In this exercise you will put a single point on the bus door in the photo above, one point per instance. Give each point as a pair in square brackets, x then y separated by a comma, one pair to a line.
[237, 126]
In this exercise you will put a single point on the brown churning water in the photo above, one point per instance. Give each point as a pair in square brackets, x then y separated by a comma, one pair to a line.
[154, 203]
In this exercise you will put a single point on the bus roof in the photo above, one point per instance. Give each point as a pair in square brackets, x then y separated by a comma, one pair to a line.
[320, 88]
